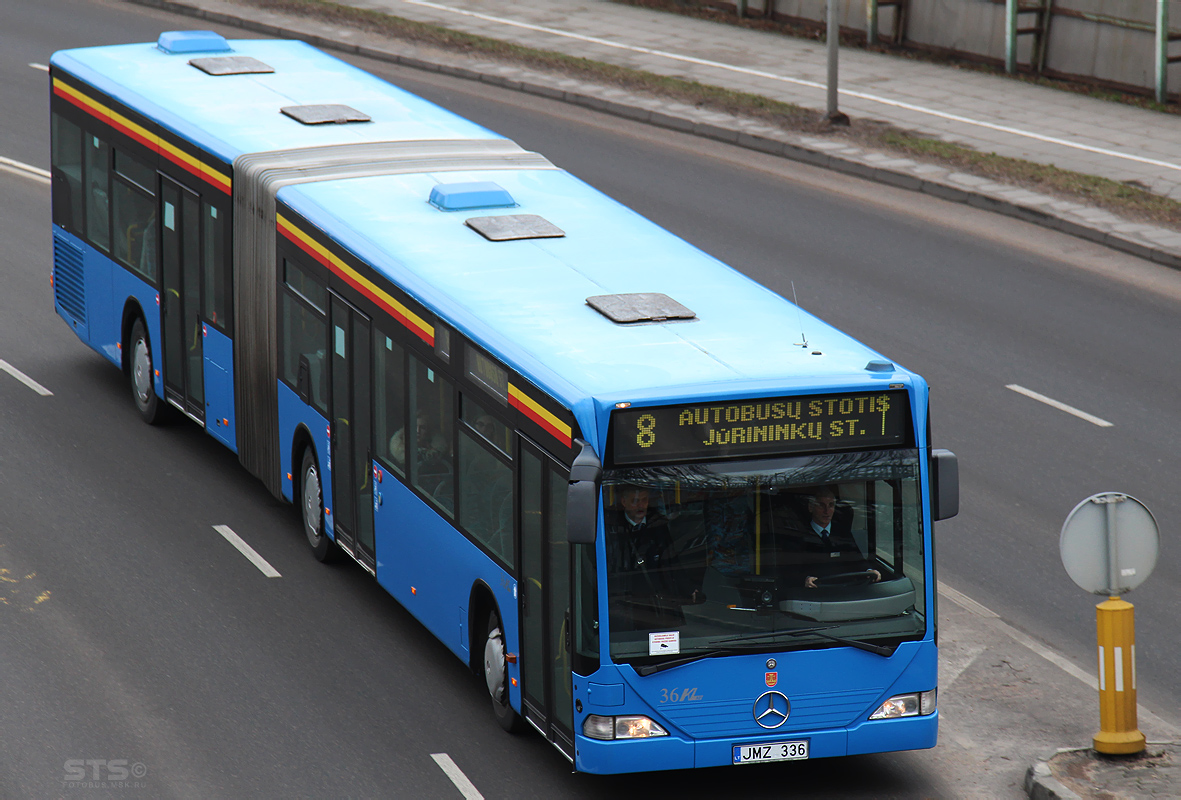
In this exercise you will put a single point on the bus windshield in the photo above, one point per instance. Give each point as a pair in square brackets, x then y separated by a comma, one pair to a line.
[776, 555]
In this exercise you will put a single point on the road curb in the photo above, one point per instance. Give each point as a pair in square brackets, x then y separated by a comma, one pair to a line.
[1040, 783]
[1037, 209]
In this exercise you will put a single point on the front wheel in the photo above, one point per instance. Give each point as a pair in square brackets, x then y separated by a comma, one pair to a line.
[142, 377]
[312, 508]
[496, 676]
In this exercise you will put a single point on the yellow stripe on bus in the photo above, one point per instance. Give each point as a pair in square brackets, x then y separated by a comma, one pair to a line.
[170, 151]
[532, 405]
[411, 319]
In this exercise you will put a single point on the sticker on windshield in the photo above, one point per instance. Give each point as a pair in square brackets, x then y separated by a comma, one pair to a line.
[664, 642]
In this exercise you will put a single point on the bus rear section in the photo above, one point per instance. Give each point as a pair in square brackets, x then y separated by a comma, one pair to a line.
[772, 603]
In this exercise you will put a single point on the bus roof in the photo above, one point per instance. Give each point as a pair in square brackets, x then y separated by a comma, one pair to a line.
[523, 300]
[230, 115]
[527, 299]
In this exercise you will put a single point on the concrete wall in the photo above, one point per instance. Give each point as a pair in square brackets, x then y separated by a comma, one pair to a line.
[1110, 52]
[975, 27]
[1075, 47]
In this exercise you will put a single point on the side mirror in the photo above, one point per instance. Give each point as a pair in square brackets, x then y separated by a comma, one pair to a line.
[303, 382]
[582, 498]
[945, 485]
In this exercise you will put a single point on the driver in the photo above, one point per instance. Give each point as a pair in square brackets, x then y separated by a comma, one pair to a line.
[828, 542]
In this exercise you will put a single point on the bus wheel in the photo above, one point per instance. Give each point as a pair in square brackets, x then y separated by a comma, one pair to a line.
[143, 386]
[496, 676]
[312, 507]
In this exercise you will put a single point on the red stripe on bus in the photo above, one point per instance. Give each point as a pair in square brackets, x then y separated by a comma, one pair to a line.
[83, 102]
[291, 237]
[540, 420]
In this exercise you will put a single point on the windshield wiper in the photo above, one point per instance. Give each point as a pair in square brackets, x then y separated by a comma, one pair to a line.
[876, 649]
[751, 642]
[651, 669]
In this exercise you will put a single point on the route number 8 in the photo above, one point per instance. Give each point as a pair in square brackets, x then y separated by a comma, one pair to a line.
[646, 425]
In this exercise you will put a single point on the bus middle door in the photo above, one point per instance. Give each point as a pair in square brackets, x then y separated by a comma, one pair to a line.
[545, 598]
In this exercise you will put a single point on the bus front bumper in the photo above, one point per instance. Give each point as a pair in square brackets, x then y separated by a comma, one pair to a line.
[675, 752]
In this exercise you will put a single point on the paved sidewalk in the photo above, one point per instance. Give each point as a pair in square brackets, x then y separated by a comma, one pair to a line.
[988, 112]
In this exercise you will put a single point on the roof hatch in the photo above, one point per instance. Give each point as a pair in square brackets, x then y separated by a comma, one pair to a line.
[231, 65]
[192, 42]
[514, 226]
[476, 194]
[642, 307]
[325, 113]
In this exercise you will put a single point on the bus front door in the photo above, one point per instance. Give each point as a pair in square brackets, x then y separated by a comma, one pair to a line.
[180, 307]
[544, 592]
[352, 466]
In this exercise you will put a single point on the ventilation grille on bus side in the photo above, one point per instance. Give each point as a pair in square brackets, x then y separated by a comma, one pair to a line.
[68, 285]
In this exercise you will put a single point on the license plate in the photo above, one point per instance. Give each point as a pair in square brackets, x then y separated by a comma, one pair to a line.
[771, 751]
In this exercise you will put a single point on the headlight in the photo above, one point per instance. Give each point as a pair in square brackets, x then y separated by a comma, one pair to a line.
[629, 727]
[907, 705]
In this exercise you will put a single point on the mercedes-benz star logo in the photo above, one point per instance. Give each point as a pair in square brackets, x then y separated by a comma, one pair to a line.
[771, 709]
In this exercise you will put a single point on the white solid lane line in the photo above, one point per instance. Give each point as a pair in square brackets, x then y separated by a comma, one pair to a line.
[24, 170]
[465, 787]
[801, 82]
[247, 551]
[25, 379]
[1041, 398]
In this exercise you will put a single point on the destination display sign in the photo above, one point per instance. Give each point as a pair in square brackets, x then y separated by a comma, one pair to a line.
[746, 428]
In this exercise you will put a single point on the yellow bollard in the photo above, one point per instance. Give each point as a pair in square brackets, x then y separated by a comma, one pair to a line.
[1116, 627]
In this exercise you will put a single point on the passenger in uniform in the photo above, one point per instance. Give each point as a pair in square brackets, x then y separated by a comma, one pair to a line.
[646, 584]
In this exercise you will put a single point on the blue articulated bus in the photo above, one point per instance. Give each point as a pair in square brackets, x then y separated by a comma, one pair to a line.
[593, 460]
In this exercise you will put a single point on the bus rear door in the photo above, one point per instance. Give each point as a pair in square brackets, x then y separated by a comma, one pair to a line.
[352, 466]
[184, 384]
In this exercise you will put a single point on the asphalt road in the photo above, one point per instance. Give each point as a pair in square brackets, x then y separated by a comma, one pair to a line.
[132, 633]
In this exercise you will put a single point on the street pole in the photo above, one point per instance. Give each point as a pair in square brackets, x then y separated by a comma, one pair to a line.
[1109, 546]
[1011, 36]
[834, 115]
[1115, 631]
[1162, 51]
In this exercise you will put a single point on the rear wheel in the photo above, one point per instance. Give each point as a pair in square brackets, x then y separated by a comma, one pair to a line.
[142, 376]
[496, 676]
[312, 510]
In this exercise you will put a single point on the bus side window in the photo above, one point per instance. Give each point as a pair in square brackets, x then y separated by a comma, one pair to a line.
[390, 388]
[98, 204]
[586, 610]
[430, 434]
[485, 481]
[305, 333]
[216, 267]
[134, 215]
[67, 174]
